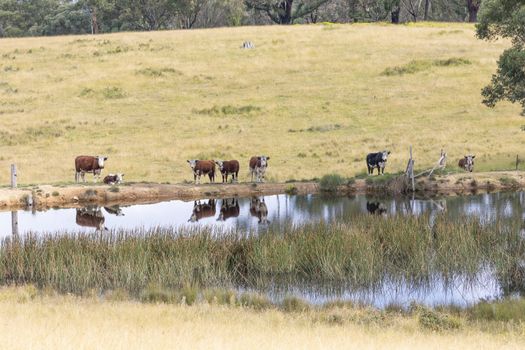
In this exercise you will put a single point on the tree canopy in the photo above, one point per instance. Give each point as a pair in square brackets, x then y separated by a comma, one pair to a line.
[505, 19]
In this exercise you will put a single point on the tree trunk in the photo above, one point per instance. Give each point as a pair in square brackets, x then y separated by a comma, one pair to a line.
[473, 7]
[427, 7]
[394, 15]
[94, 23]
[285, 11]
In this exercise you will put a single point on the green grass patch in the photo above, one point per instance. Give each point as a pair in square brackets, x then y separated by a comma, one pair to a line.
[416, 66]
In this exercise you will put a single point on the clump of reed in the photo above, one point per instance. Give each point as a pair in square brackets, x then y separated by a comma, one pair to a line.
[363, 252]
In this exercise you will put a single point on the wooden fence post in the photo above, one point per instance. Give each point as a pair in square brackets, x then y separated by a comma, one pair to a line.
[13, 175]
[517, 161]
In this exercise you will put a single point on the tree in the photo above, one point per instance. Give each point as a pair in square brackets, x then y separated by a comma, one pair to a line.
[473, 7]
[285, 11]
[505, 19]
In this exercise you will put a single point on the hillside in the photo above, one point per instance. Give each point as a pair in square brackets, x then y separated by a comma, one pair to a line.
[315, 98]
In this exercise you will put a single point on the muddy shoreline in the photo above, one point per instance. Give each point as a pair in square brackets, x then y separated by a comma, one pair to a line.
[42, 197]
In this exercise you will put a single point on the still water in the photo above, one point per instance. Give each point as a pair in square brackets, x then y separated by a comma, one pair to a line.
[257, 214]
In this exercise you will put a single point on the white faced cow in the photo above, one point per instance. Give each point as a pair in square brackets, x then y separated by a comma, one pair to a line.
[202, 167]
[467, 163]
[84, 164]
[377, 160]
[258, 166]
[114, 179]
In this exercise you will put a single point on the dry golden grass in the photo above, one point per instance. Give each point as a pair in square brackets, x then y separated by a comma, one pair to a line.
[61, 322]
[152, 100]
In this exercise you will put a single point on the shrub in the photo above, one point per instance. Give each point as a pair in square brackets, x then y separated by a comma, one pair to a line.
[294, 304]
[330, 182]
[113, 92]
[436, 321]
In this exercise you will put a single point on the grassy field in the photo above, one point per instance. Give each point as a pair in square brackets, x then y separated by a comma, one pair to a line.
[315, 98]
[40, 321]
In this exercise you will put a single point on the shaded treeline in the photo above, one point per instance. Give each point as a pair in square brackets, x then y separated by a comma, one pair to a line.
[56, 17]
[364, 253]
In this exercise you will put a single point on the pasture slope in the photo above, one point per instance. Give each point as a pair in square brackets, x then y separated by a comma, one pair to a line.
[316, 98]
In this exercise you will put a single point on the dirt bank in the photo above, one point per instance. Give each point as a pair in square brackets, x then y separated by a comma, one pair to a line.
[48, 196]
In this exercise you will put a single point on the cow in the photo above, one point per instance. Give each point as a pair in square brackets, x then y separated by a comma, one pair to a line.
[114, 179]
[229, 209]
[202, 167]
[259, 210]
[91, 217]
[377, 160]
[200, 211]
[227, 167]
[467, 163]
[375, 208]
[85, 164]
[258, 165]
[115, 210]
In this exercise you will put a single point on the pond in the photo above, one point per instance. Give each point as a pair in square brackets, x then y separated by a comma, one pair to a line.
[258, 214]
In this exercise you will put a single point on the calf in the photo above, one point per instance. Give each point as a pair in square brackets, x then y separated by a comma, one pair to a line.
[258, 165]
[85, 164]
[202, 210]
[202, 167]
[467, 163]
[259, 210]
[227, 167]
[377, 160]
[113, 179]
[229, 209]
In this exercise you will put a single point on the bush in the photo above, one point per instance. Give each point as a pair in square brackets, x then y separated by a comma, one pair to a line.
[436, 321]
[294, 304]
[503, 310]
[330, 182]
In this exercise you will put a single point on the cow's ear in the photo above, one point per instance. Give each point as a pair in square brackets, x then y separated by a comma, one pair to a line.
[105, 158]
[258, 158]
[188, 161]
[122, 175]
[267, 158]
[473, 157]
[388, 152]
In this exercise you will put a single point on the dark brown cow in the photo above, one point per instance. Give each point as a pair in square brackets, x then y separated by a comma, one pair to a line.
[205, 210]
[258, 165]
[90, 217]
[227, 167]
[467, 163]
[84, 164]
[259, 210]
[229, 209]
[202, 167]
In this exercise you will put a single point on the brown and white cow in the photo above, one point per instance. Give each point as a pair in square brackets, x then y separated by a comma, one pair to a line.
[258, 166]
[91, 217]
[227, 167]
[202, 167]
[204, 210]
[259, 210]
[229, 209]
[114, 179]
[84, 164]
[467, 163]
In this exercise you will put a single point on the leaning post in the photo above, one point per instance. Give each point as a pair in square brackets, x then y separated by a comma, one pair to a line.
[14, 223]
[517, 161]
[412, 170]
[13, 175]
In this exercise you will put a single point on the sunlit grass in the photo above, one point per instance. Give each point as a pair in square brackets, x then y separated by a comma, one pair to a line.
[150, 101]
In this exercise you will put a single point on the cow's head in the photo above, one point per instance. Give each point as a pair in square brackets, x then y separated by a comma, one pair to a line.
[119, 178]
[101, 160]
[469, 159]
[263, 161]
[220, 164]
[384, 155]
[193, 163]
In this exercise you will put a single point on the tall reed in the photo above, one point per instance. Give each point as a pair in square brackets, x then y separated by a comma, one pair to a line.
[362, 252]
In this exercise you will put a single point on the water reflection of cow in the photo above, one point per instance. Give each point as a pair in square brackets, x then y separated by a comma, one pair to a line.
[375, 208]
[115, 210]
[91, 217]
[259, 210]
[202, 210]
[229, 209]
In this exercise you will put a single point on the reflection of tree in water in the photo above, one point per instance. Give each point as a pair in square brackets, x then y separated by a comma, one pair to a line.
[511, 274]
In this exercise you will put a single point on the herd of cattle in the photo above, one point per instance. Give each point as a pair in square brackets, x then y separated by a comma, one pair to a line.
[257, 167]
